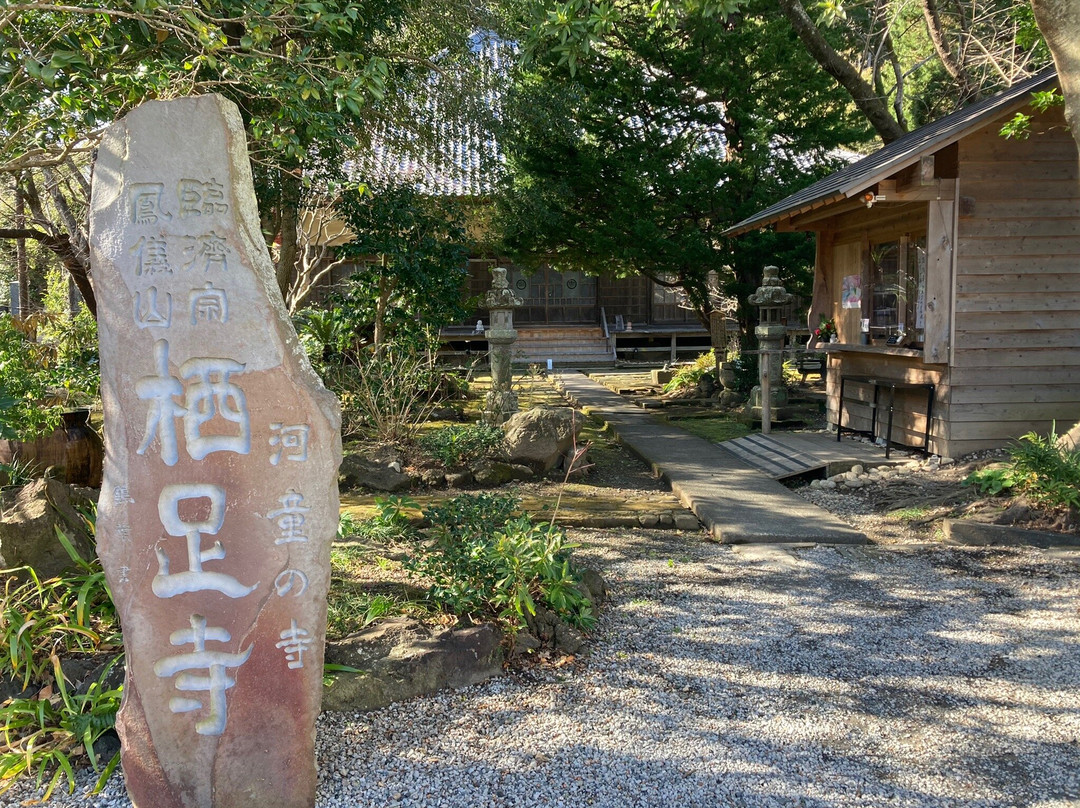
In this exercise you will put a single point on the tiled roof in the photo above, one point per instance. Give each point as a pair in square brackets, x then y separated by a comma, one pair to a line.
[459, 153]
[857, 177]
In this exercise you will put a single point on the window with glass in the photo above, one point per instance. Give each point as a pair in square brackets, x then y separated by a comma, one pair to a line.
[898, 284]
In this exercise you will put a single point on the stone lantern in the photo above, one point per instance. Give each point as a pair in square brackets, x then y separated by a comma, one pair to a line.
[501, 400]
[771, 298]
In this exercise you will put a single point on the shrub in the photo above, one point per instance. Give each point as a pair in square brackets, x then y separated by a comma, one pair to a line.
[485, 562]
[387, 393]
[690, 375]
[1043, 468]
[39, 621]
[454, 445]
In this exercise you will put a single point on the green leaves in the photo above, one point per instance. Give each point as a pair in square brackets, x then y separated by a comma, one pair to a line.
[484, 562]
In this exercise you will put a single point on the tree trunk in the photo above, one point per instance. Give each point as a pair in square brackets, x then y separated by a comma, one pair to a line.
[381, 305]
[22, 262]
[66, 253]
[868, 101]
[290, 204]
[1059, 21]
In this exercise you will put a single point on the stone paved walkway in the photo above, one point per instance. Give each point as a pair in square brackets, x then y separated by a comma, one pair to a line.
[736, 503]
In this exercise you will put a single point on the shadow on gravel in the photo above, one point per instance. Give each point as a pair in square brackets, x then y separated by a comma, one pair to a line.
[937, 677]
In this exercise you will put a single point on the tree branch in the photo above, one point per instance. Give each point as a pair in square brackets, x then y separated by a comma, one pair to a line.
[868, 102]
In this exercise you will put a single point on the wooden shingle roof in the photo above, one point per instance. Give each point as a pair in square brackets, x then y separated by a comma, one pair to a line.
[857, 177]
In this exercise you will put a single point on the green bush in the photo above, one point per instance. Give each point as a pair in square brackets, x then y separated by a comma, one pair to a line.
[39, 622]
[454, 445]
[38, 380]
[484, 562]
[1043, 469]
[690, 375]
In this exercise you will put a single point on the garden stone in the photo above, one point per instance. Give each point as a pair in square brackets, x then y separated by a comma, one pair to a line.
[401, 658]
[459, 479]
[28, 522]
[594, 584]
[539, 437]
[359, 472]
[525, 643]
[706, 385]
[553, 632]
[432, 478]
[662, 377]
[491, 473]
[220, 495]
[649, 520]
[667, 520]
[686, 521]
[732, 398]
[446, 414]
[520, 473]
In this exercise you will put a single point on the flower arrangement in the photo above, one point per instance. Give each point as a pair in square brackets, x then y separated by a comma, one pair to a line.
[827, 329]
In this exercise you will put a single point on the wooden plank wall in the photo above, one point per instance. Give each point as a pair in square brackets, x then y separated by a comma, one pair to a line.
[909, 421]
[851, 232]
[1016, 344]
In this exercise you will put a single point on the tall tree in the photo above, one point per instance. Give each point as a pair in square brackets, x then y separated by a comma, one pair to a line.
[1059, 21]
[310, 78]
[906, 63]
[413, 254]
[659, 139]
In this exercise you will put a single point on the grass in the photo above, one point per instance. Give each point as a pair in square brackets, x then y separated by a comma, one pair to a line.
[354, 601]
[908, 514]
[717, 429]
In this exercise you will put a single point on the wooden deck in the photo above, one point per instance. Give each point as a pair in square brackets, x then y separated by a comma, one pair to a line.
[789, 454]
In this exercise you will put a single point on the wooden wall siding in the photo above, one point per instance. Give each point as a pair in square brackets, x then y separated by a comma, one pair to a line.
[941, 224]
[909, 422]
[1016, 350]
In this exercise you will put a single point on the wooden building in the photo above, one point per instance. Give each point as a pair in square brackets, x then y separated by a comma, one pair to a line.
[574, 318]
[958, 251]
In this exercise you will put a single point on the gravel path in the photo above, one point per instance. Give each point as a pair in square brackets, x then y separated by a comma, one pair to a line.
[759, 676]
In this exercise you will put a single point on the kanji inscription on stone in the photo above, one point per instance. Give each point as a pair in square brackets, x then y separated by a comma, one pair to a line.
[220, 494]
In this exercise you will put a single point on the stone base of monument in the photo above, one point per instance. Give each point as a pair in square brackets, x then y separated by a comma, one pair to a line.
[401, 658]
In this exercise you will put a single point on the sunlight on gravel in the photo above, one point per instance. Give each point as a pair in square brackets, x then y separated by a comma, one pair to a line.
[724, 676]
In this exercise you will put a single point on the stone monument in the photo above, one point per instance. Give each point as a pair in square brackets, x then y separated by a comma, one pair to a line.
[220, 497]
[770, 298]
[501, 401]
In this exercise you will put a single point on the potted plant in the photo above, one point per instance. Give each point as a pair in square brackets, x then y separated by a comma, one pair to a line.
[44, 390]
[826, 331]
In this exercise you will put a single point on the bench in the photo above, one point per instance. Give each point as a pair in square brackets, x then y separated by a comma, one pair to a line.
[810, 363]
[892, 386]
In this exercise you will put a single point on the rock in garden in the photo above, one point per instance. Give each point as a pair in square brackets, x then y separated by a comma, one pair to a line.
[459, 479]
[685, 520]
[491, 473]
[220, 495]
[400, 658]
[360, 472]
[29, 519]
[538, 437]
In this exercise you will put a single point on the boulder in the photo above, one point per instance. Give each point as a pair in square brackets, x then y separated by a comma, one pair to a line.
[459, 479]
[491, 473]
[432, 477]
[539, 437]
[400, 658]
[28, 522]
[553, 632]
[361, 472]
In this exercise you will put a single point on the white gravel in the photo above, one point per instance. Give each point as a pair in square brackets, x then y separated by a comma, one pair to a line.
[759, 676]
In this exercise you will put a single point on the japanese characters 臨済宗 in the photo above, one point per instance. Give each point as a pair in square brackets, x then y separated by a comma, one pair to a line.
[950, 261]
